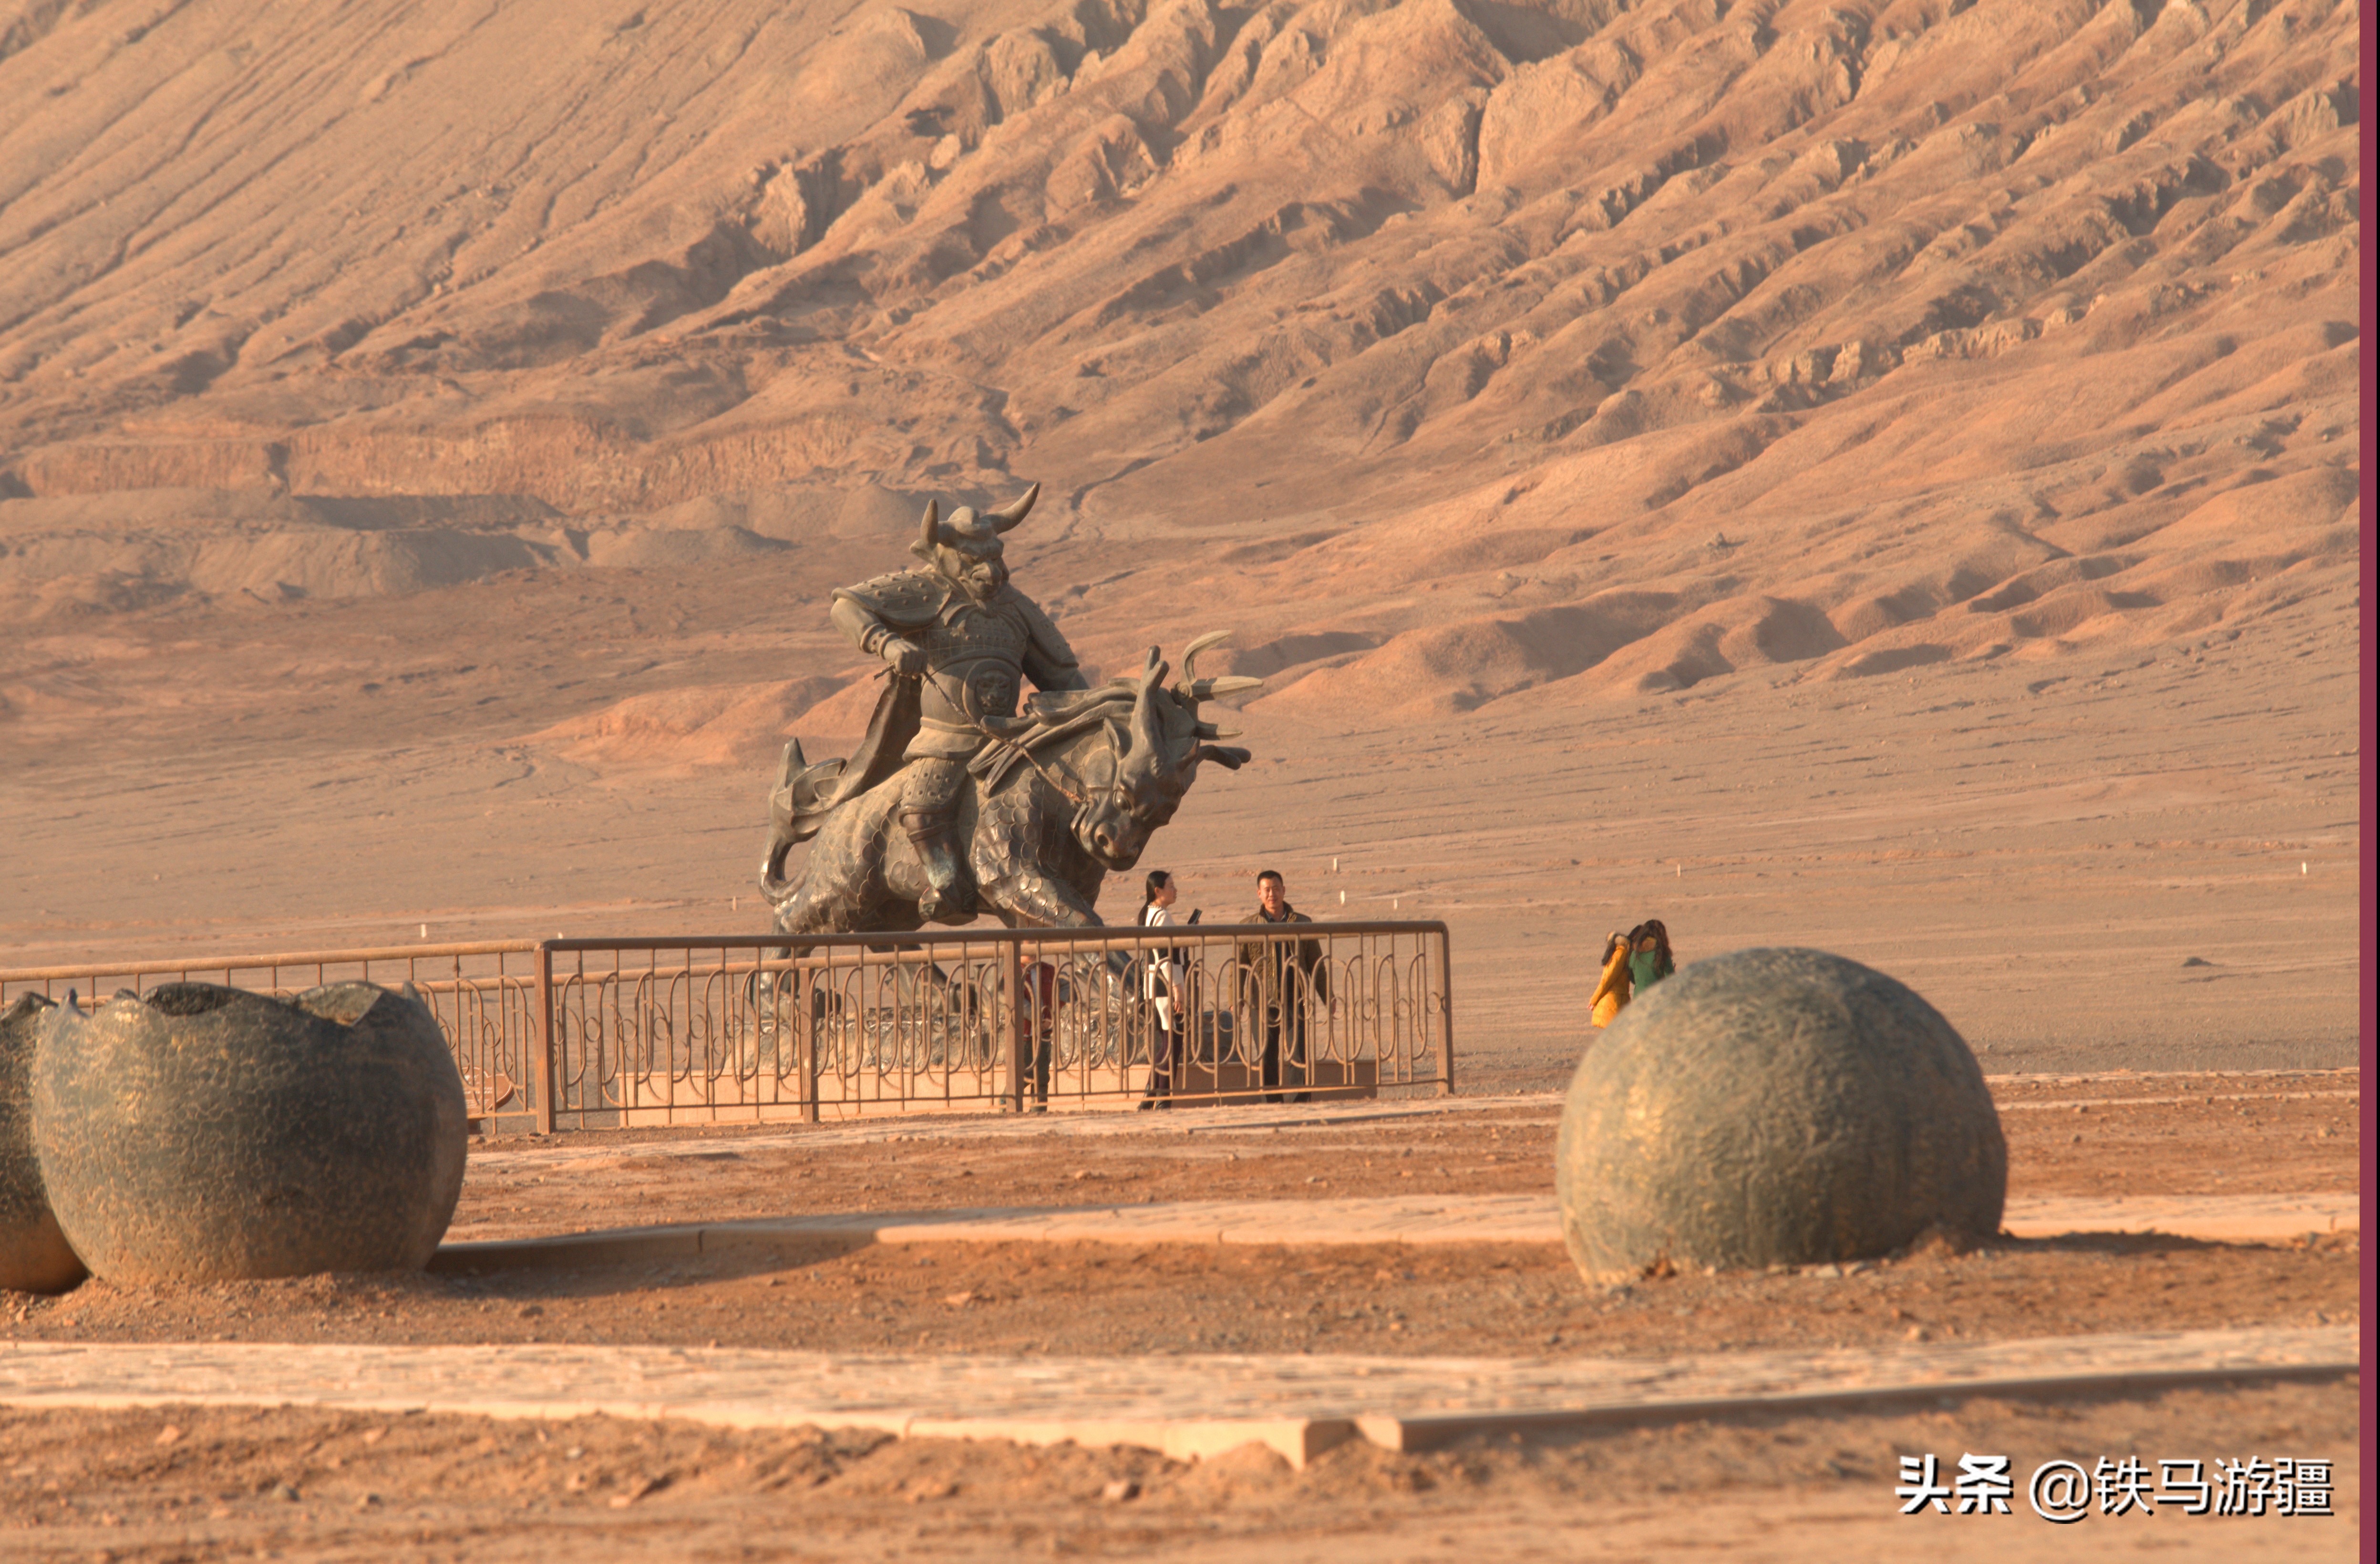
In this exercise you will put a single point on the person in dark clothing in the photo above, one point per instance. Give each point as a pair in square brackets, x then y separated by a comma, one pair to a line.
[1036, 999]
[1282, 981]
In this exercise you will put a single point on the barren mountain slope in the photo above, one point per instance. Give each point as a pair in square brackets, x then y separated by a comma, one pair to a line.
[1654, 340]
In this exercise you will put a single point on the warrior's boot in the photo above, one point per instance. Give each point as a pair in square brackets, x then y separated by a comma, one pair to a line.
[948, 894]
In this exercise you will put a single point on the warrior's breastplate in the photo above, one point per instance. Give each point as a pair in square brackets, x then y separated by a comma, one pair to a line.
[976, 658]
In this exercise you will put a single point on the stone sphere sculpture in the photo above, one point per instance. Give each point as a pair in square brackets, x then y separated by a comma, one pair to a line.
[203, 1134]
[34, 1254]
[1774, 1106]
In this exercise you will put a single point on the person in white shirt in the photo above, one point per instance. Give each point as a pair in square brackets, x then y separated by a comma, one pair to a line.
[1163, 974]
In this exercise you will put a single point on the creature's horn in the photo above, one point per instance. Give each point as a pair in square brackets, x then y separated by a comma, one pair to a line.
[1145, 736]
[1221, 686]
[1208, 730]
[1190, 656]
[930, 533]
[1009, 514]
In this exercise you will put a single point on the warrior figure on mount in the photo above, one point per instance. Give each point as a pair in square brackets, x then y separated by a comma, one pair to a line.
[959, 642]
[964, 799]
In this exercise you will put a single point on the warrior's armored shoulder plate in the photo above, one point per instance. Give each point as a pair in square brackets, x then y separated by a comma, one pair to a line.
[1041, 629]
[905, 598]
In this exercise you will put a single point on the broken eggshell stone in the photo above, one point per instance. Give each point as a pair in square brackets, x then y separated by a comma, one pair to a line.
[204, 1134]
[34, 1254]
[1774, 1107]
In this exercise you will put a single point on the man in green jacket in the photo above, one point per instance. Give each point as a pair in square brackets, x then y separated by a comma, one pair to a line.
[1281, 981]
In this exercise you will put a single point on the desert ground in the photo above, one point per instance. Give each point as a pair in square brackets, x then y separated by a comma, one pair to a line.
[212, 1485]
[216, 1482]
[1877, 475]
[2193, 1134]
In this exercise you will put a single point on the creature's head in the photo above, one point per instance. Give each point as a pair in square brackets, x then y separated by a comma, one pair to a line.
[968, 549]
[1157, 755]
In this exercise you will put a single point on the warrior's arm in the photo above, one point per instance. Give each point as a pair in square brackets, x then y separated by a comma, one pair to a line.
[872, 635]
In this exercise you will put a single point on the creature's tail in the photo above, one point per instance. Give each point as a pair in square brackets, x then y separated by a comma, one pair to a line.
[780, 823]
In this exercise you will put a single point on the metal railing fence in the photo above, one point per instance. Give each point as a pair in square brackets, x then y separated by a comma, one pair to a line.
[605, 1033]
[483, 994]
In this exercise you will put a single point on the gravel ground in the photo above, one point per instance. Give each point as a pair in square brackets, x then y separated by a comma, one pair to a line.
[1100, 1299]
[2098, 1135]
[300, 1483]
[183, 1483]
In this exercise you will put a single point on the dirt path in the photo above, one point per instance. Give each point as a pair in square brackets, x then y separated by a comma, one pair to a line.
[2103, 1135]
[179, 1484]
[1102, 1298]
[2138, 1134]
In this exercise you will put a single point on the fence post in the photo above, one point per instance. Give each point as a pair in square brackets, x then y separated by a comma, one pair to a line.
[806, 1035]
[545, 1067]
[1008, 968]
[1445, 1004]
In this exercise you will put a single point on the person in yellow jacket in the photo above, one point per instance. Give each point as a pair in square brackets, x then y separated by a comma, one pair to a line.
[1616, 986]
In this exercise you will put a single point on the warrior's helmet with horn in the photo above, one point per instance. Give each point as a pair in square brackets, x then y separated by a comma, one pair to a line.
[967, 548]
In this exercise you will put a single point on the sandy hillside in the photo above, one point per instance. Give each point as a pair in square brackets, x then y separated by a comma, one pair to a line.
[1879, 475]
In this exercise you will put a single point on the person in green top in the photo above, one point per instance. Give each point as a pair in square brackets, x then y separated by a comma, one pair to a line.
[1649, 954]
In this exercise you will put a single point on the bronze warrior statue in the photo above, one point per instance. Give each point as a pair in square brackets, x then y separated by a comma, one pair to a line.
[965, 636]
[1016, 806]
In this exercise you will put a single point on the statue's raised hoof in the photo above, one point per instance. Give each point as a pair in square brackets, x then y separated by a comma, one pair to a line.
[1774, 1106]
[34, 1254]
[203, 1134]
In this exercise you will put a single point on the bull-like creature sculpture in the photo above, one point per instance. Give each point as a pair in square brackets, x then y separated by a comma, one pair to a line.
[958, 803]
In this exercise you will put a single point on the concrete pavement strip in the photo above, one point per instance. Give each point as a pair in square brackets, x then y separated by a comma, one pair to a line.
[1186, 1406]
[1479, 1218]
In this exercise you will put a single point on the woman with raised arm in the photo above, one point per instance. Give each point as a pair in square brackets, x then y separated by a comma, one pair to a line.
[1649, 958]
[1615, 990]
[1161, 980]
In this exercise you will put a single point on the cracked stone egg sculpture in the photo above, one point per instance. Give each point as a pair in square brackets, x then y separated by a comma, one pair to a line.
[198, 1133]
[1774, 1106]
[34, 1254]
